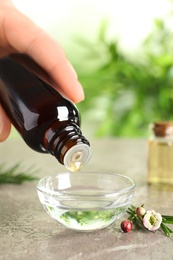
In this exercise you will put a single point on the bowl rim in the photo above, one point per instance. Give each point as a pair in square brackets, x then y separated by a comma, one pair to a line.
[105, 195]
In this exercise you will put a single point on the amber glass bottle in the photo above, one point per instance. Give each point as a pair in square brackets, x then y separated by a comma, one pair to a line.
[47, 121]
[160, 154]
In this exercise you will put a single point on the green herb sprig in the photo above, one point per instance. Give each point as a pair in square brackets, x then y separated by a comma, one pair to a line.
[15, 175]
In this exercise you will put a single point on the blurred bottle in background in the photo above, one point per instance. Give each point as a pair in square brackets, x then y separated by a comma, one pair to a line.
[160, 153]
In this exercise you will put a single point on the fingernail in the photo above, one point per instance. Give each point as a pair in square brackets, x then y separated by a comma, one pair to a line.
[79, 93]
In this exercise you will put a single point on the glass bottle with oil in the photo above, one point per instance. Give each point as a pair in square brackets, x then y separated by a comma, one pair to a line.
[47, 121]
[160, 154]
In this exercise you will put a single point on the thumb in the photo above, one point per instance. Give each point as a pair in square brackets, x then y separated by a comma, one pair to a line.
[5, 125]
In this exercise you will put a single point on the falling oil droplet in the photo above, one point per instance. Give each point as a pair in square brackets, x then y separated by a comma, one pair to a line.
[75, 167]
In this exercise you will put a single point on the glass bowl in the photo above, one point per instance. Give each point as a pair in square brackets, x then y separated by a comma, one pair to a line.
[85, 201]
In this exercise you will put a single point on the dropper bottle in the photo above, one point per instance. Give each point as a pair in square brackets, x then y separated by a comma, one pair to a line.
[47, 121]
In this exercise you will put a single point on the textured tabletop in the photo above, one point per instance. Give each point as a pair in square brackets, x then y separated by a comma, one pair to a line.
[27, 232]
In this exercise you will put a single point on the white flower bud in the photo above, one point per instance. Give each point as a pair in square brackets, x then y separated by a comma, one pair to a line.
[140, 211]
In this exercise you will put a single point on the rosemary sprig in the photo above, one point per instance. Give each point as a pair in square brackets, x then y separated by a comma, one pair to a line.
[166, 230]
[15, 175]
[167, 219]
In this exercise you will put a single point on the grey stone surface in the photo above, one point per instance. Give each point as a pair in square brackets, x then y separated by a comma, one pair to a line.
[27, 232]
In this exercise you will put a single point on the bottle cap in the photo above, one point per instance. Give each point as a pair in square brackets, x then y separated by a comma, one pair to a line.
[163, 128]
[77, 156]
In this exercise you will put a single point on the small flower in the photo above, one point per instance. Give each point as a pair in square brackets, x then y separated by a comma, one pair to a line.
[140, 211]
[152, 220]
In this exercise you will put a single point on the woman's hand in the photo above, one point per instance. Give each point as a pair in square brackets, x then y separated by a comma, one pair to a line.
[18, 34]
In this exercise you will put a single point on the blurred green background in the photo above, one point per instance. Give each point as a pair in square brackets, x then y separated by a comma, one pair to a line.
[124, 95]
[126, 88]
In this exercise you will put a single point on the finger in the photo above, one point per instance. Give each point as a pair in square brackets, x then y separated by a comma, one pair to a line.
[5, 125]
[26, 37]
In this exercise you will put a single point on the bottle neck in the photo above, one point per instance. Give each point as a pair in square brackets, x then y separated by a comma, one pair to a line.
[68, 145]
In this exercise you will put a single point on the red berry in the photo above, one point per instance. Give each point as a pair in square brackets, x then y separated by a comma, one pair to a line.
[126, 226]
